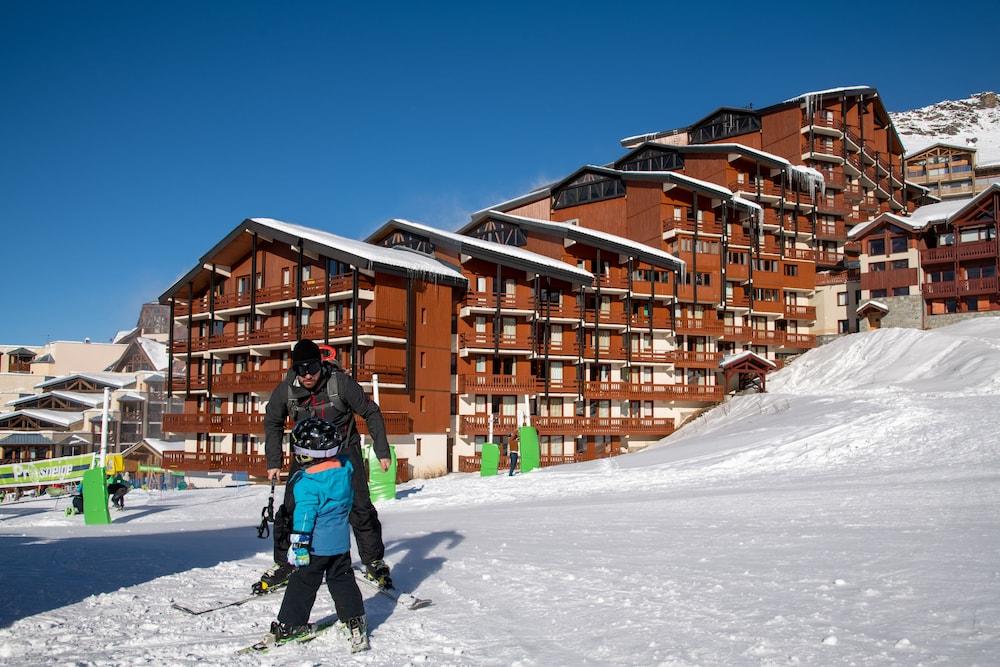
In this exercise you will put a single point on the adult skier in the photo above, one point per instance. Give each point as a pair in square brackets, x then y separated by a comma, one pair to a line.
[320, 388]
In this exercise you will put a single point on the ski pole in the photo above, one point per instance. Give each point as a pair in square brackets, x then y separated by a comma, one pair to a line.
[267, 515]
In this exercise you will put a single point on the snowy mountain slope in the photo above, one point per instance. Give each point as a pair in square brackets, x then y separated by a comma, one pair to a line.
[974, 121]
[847, 517]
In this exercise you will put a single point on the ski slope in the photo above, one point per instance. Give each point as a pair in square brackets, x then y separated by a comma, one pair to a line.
[849, 516]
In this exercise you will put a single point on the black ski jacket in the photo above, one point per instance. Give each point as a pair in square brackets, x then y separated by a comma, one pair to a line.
[352, 399]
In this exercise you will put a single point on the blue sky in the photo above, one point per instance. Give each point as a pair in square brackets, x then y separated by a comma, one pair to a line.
[134, 135]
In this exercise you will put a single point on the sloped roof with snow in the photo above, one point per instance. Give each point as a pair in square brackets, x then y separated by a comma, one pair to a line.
[58, 417]
[623, 245]
[872, 305]
[832, 91]
[156, 351]
[115, 380]
[91, 400]
[473, 246]
[921, 217]
[731, 359]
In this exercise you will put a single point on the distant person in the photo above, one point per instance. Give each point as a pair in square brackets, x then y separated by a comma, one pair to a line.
[117, 490]
[315, 387]
[321, 496]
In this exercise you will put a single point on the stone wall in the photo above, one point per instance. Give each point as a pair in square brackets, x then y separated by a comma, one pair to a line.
[937, 321]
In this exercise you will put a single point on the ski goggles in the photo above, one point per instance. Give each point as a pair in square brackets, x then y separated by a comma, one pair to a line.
[304, 368]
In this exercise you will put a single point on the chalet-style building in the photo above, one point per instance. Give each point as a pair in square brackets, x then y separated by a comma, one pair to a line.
[269, 283]
[562, 324]
[935, 266]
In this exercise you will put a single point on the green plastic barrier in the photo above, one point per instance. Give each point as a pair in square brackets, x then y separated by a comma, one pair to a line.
[531, 453]
[381, 485]
[95, 498]
[489, 461]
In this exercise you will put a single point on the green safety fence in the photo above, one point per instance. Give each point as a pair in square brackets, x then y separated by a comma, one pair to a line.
[530, 452]
[489, 460]
[95, 498]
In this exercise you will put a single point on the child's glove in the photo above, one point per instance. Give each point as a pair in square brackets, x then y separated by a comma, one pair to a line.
[298, 553]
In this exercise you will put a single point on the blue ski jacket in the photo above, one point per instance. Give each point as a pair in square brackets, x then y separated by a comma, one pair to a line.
[323, 498]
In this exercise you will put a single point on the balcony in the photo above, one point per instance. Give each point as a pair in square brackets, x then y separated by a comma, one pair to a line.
[829, 258]
[802, 254]
[387, 373]
[567, 310]
[254, 464]
[831, 230]
[565, 347]
[615, 282]
[799, 341]
[480, 424]
[604, 352]
[767, 337]
[648, 356]
[692, 359]
[698, 327]
[497, 384]
[488, 300]
[977, 249]
[887, 280]
[660, 319]
[640, 391]
[203, 423]
[800, 312]
[658, 426]
[247, 381]
[963, 287]
[485, 341]
[396, 423]
[567, 385]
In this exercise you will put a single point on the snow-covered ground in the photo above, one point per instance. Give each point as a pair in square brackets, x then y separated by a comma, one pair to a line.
[849, 516]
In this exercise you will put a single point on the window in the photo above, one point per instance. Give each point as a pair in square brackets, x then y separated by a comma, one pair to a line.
[901, 291]
[423, 316]
[423, 360]
[307, 272]
[878, 293]
[791, 269]
[946, 239]
[843, 326]
[418, 441]
[841, 298]
[971, 304]
[423, 404]
[286, 276]
[900, 264]
[899, 244]
[876, 267]
[977, 234]
[987, 271]
[951, 306]
[588, 187]
[876, 247]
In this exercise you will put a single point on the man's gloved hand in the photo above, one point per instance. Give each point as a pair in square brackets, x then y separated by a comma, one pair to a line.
[298, 553]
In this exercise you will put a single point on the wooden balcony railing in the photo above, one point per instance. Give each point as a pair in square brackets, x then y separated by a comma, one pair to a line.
[473, 463]
[507, 301]
[887, 280]
[614, 281]
[800, 312]
[693, 359]
[639, 391]
[247, 381]
[484, 340]
[977, 249]
[203, 423]
[649, 356]
[966, 286]
[660, 319]
[659, 426]
[829, 258]
[800, 341]
[480, 424]
[613, 352]
[497, 384]
[565, 347]
[396, 423]
[807, 254]
[831, 230]
[567, 385]
[699, 327]
[387, 373]
[568, 309]
[942, 254]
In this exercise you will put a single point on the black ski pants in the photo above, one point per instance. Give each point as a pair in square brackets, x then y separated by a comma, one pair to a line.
[363, 517]
[305, 582]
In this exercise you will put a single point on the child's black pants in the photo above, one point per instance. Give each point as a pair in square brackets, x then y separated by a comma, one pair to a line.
[305, 581]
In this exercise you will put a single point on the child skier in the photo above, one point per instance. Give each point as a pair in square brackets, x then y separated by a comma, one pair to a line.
[321, 540]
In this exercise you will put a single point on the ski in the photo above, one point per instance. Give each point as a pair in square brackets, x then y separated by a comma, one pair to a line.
[226, 605]
[269, 642]
[407, 600]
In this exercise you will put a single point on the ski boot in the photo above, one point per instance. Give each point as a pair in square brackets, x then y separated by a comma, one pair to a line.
[275, 577]
[282, 632]
[378, 572]
[356, 630]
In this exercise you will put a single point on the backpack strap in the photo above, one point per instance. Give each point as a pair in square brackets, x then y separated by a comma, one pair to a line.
[332, 390]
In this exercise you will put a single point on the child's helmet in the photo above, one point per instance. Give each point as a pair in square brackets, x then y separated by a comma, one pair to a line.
[316, 438]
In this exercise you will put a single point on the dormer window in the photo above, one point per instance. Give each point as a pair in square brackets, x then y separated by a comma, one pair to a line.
[500, 232]
[588, 187]
[407, 239]
[653, 159]
[724, 124]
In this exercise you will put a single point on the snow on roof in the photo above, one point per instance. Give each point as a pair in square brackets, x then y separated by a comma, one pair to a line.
[131, 396]
[60, 417]
[156, 351]
[731, 359]
[118, 380]
[723, 192]
[877, 305]
[935, 144]
[408, 261]
[919, 219]
[165, 445]
[499, 248]
[597, 235]
[92, 400]
[519, 200]
[829, 91]
[122, 334]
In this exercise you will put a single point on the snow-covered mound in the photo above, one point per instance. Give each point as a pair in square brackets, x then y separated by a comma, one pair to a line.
[974, 122]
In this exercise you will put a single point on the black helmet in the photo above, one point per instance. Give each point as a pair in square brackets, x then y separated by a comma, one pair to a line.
[316, 438]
